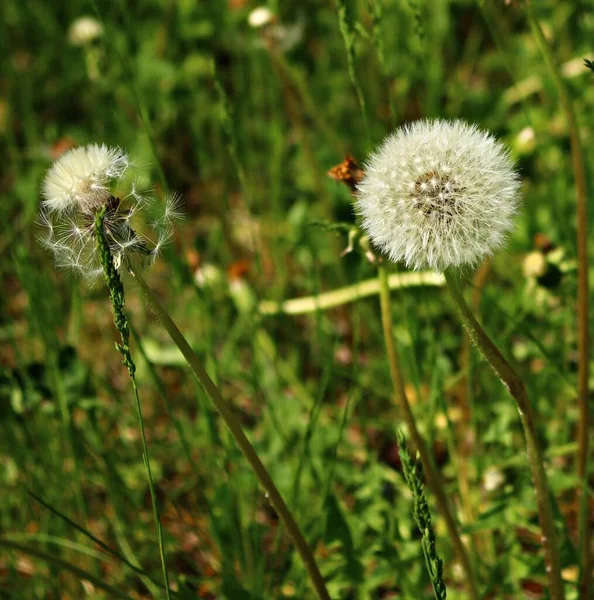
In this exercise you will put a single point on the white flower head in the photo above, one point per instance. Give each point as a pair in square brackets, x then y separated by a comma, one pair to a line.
[86, 180]
[438, 194]
[81, 178]
[260, 17]
[84, 30]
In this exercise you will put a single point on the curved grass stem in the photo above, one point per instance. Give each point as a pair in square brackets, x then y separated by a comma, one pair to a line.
[228, 416]
[515, 386]
[579, 171]
[433, 477]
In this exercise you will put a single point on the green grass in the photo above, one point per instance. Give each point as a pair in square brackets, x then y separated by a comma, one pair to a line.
[249, 149]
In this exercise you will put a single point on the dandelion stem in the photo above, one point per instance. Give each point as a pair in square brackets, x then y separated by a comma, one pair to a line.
[433, 477]
[515, 386]
[228, 416]
[579, 170]
[116, 295]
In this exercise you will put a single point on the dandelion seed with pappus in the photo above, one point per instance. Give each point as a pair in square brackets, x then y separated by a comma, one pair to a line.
[86, 180]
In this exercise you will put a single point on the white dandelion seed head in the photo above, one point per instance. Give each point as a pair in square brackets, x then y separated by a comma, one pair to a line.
[81, 178]
[84, 30]
[438, 194]
[82, 182]
[260, 16]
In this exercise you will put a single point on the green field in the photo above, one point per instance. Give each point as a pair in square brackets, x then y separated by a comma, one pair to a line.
[269, 280]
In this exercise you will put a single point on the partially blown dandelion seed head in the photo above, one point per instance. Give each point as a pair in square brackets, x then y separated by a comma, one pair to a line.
[81, 178]
[438, 194]
[82, 182]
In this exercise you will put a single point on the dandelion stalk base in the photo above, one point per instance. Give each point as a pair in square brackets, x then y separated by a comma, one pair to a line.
[116, 295]
[516, 388]
[433, 478]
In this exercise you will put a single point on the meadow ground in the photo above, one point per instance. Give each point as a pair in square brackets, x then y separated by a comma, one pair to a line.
[244, 114]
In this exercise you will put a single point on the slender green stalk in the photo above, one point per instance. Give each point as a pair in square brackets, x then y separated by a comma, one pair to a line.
[376, 10]
[515, 386]
[301, 88]
[137, 569]
[62, 565]
[229, 130]
[579, 172]
[413, 474]
[433, 477]
[160, 388]
[116, 295]
[348, 35]
[228, 416]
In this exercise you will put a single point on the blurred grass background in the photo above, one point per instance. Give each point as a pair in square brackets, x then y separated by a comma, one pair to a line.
[248, 144]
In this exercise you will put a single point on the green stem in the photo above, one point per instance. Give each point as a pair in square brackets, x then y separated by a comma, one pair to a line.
[413, 476]
[156, 514]
[116, 295]
[348, 35]
[433, 477]
[228, 416]
[161, 390]
[579, 170]
[347, 294]
[516, 388]
[62, 565]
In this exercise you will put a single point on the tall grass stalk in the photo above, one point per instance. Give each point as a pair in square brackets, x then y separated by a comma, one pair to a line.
[116, 295]
[228, 416]
[433, 477]
[516, 388]
[41, 316]
[413, 475]
[579, 172]
[58, 564]
[375, 9]
[348, 35]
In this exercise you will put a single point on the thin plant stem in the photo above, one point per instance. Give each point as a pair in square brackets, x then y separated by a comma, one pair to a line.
[153, 585]
[413, 475]
[469, 445]
[308, 106]
[160, 388]
[375, 9]
[579, 171]
[59, 564]
[348, 294]
[116, 295]
[431, 473]
[515, 386]
[348, 36]
[228, 416]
